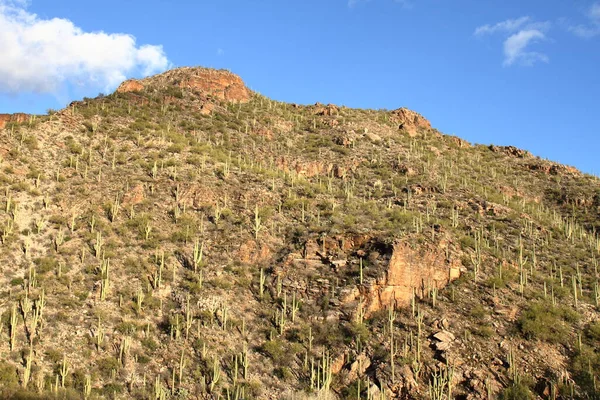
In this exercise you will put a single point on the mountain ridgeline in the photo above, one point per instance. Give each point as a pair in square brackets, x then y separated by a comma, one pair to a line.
[187, 238]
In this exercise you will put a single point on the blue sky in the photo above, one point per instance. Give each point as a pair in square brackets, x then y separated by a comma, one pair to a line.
[510, 72]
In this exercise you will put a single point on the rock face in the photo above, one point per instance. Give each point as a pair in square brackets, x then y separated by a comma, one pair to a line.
[8, 118]
[408, 270]
[130, 85]
[410, 121]
[221, 84]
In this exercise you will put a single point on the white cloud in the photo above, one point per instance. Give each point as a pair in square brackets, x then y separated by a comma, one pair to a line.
[592, 28]
[515, 48]
[42, 55]
[510, 25]
[519, 33]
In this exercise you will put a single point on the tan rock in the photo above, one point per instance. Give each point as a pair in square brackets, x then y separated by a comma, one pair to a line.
[410, 121]
[130, 85]
[219, 84]
[444, 336]
[16, 118]
[207, 108]
[250, 252]
[359, 366]
[134, 196]
[409, 271]
[327, 110]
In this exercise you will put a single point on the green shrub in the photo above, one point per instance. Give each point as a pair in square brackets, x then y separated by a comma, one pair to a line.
[546, 322]
[518, 391]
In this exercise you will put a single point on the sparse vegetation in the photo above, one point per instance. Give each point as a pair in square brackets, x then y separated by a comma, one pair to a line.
[174, 242]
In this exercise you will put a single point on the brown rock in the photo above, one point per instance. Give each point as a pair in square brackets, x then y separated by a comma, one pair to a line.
[404, 169]
[410, 121]
[339, 171]
[553, 169]
[444, 336]
[130, 85]
[16, 118]
[409, 271]
[134, 196]
[338, 363]
[251, 252]
[221, 84]
[358, 367]
[327, 110]
[458, 141]
[207, 108]
[510, 151]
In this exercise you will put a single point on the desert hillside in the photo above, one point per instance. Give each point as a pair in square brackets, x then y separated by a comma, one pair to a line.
[187, 238]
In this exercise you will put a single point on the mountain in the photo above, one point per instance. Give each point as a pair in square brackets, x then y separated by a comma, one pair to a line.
[187, 238]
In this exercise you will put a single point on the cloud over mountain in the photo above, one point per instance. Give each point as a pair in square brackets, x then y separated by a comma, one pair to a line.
[42, 55]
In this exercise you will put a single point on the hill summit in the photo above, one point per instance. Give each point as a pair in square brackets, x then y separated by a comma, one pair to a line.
[220, 84]
[187, 238]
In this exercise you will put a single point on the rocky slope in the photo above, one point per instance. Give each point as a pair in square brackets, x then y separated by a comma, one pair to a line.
[187, 238]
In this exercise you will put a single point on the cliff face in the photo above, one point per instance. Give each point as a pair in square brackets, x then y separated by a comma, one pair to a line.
[8, 118]
[409, 272]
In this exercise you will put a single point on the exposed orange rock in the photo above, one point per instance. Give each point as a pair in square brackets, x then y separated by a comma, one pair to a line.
[207, 108]
[130, 85]
[134, 196]
[8, 118]
[409, 270]
[410, 121]
[220, 84]
[458, 141]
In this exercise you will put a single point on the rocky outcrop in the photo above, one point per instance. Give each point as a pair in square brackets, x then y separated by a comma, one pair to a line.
[328, 110]
[553, 169]
[220, 84]
[16, 118]
[252, 252]
[410, 121]
[510, 151]
[455, 140]
[409, 271]
[130, 85]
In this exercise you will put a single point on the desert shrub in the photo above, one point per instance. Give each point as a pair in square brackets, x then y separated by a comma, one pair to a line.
[518, 391]
[276, 350]
[107, 364]
[593, 331]
[546, 322]
[8, 375]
